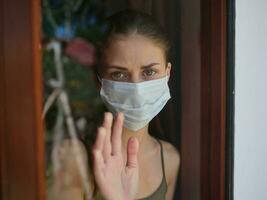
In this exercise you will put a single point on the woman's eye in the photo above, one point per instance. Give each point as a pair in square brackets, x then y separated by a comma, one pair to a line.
[119, 76]
[149, 72]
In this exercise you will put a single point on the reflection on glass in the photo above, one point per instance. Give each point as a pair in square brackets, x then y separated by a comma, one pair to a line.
[73, 108]
[72, 103]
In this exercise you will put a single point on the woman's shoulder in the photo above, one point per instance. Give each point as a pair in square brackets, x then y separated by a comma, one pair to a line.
[171, 160]
[170, 152]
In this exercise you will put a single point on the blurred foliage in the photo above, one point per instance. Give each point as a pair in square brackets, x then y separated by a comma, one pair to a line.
[72, 18]
[82, 90]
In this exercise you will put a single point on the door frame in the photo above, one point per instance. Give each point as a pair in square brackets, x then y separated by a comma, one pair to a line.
[21, 129]
[206, 47]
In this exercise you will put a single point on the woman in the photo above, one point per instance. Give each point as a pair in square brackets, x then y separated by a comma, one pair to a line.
[129, 163]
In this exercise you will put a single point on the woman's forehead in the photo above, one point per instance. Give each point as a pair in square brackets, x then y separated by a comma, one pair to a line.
[132, 50]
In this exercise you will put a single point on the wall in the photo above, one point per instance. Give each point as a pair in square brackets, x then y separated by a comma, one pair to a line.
[250, 171]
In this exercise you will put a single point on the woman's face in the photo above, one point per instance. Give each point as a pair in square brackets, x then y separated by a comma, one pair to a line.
[134, 58]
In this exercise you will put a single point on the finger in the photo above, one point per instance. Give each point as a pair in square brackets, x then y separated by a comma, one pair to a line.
[107, 124]
[100, 139]
[98, 163]
[98, 160]
[132, 151]
[116, 134]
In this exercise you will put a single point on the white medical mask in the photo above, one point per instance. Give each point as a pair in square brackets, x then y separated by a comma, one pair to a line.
[140, 102]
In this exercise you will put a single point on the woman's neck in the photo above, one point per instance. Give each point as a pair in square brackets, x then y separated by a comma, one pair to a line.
[142, 135]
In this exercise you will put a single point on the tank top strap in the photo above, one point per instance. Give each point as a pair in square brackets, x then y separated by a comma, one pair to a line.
[162, 158]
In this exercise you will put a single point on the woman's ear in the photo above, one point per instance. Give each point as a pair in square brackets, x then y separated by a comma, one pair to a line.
[169, 66]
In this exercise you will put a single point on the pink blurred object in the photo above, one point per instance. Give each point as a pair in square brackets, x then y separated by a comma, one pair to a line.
[82, 51]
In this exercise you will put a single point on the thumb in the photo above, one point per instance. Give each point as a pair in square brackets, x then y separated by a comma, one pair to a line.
[132, 150]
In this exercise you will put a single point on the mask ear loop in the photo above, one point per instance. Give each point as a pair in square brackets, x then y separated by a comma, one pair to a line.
[167, 74]
[168, 77]
[99, 79]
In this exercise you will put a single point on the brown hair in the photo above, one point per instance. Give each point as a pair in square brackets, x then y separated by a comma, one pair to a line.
[128, 22]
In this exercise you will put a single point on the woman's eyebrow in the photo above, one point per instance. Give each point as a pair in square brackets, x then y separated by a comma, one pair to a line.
[150, 65]
[117, 67]
[126, 69]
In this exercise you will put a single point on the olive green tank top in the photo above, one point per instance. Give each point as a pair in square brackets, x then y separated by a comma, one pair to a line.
[160, 192]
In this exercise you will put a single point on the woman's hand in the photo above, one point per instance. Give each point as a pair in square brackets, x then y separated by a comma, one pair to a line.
[115, 179]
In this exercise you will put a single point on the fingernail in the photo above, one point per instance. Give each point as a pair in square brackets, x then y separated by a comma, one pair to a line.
[121, 115]
[132, 139]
